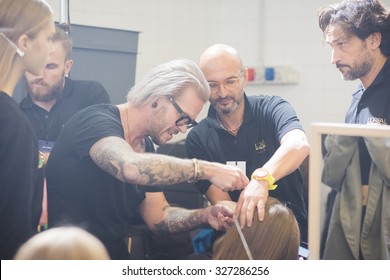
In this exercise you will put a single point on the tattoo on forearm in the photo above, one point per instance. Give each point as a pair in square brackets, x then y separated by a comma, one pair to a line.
[116, 157]
[179, 220]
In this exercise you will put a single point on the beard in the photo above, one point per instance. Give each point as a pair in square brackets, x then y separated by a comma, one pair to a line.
[44, 93]
[158, 128]
[357, 70]
[225, 109]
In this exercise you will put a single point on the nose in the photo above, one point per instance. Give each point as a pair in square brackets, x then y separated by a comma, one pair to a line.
[40, 76]
[222, 91]
[334, 57]
[182, 128]
[51, 47]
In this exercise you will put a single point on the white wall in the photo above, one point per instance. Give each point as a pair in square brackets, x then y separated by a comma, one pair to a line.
[269, 32]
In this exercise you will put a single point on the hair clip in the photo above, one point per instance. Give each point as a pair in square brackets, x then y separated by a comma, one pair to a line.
[18, 51]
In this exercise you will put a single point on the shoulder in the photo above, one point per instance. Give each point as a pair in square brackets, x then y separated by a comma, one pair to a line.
[84, 85]
[12, 119]
[265, 100]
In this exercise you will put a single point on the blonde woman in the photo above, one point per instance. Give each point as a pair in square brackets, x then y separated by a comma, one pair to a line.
[277, 237]
[26, 28]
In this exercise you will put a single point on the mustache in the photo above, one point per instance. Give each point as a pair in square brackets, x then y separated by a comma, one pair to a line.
[38, 82]
[223, 99]
[339, 65]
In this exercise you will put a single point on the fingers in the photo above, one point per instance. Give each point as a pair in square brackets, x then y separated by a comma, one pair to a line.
[246, 213]
[233, 179]
[261, 210]
[224, 222]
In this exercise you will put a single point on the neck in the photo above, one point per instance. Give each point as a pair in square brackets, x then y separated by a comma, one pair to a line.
[132, 126]
[375, 69]
[231, 122]
[47, 105]
[12, 80]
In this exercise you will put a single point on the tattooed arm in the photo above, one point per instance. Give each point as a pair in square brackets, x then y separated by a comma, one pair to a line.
[115, 156]
[161, 218]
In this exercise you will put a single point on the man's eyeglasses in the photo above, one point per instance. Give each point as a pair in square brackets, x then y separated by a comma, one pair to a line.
[229, 84]
[184, 118]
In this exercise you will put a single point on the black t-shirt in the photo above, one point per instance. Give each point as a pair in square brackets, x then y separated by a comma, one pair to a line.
[20, 194]
[266, 120]
[81, 193]
[77, 94]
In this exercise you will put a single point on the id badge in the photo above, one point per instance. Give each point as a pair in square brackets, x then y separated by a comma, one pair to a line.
[45, 146]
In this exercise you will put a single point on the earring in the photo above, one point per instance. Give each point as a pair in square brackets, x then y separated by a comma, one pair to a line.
[20, 52]
[154, 104]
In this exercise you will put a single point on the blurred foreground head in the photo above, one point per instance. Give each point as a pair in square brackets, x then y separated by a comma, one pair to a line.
[63, 243]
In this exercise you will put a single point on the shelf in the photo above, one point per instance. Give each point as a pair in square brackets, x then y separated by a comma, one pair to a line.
[271, 83]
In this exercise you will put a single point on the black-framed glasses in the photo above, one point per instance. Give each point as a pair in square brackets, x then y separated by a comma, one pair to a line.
[229, 84]
[184, 118]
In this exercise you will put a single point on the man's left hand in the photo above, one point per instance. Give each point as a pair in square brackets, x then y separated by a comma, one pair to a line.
[253, 196]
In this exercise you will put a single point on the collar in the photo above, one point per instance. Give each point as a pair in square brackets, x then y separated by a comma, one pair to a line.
[382, 74]
[385, 72]
[27, 102]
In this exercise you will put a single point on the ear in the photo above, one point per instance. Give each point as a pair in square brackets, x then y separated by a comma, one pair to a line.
[245, 77]
[22, 46]
[68, 66]
[375, 40]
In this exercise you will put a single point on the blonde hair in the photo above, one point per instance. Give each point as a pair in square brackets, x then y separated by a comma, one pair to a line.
[17, 18]
[63, 243]
[277, 237]
[170, 79]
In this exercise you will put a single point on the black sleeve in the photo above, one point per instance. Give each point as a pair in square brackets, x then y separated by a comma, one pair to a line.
[283, 116]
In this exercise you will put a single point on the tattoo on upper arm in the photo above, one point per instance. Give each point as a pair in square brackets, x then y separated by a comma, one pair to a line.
[112, 155]
[116, 157]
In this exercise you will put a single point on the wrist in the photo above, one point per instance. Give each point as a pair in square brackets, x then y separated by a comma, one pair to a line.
[196, 175]
[263, 175]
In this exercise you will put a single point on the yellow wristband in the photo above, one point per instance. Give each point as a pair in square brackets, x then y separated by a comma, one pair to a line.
[264, 175]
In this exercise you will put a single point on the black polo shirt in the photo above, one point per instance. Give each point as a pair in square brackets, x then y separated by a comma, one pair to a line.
[76, 95]
[370, 106]
[266, 120]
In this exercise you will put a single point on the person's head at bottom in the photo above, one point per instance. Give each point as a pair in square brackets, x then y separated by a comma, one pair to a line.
[63, 243]
[275, 238]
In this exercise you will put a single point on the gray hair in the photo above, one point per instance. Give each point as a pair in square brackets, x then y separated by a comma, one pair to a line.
[170, 80]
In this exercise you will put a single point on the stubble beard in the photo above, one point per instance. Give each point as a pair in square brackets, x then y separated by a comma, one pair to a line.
[357, 70]
[226, 109]
[46, 94]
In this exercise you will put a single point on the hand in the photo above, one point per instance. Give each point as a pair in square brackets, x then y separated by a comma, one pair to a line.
[225, 177]
[219, 216]
[253, 196]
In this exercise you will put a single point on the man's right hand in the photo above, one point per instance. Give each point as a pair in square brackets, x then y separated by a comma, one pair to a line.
[225, 177]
